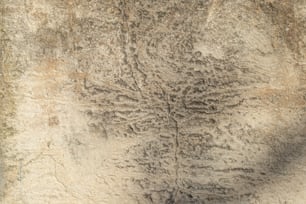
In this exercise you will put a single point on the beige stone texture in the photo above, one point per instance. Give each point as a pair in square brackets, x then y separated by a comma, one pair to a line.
[153, 101]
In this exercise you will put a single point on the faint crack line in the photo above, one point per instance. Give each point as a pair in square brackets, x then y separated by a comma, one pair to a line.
[123, 38]
[177, 166]
[176, 149]
[67, 189]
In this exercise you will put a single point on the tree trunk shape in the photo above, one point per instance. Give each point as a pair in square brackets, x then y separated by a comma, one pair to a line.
[142, 101]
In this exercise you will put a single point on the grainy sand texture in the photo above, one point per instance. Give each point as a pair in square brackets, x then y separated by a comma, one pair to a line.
[153, 101]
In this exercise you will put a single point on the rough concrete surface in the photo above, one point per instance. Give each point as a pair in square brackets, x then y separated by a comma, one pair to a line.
[153, 101]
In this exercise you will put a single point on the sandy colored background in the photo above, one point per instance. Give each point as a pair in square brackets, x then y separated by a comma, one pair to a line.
[153, 101]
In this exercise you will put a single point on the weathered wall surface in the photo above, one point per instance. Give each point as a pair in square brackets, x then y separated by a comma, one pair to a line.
[152, 101]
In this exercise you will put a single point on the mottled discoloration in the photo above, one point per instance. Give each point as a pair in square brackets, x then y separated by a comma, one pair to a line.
[119, 101]
[8, 75]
